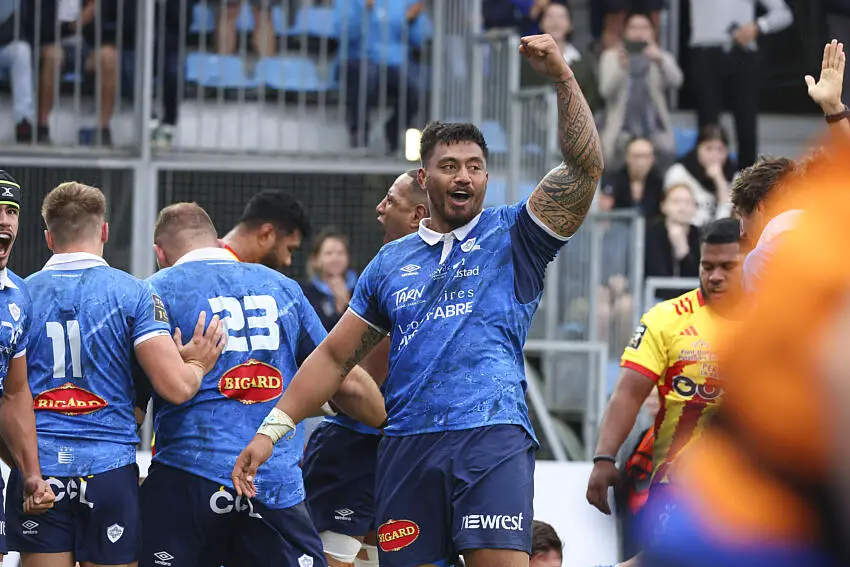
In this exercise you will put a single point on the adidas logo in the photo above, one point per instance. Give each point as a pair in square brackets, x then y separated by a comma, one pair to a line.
[689, 332]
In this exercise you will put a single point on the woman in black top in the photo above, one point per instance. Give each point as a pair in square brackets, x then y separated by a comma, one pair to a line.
[672, 243]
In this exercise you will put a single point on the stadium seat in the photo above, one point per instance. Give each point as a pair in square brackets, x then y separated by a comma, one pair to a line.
[686, 140]
[203, 19]
[313, 21]
[495, 136]
[217, 71]
[245, 19]
[291, 74]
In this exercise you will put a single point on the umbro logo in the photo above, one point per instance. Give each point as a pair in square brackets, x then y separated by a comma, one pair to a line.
[345, 512]
[689, 332]
[163, 558]
[29, 525]
[343, 515]
[410, 270]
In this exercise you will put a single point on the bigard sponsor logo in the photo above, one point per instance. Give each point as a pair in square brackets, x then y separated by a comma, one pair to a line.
[69, 399]
[251, 382]
[397, 534]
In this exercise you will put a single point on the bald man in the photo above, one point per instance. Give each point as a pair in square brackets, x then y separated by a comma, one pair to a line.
[271, 329]
[341, 456]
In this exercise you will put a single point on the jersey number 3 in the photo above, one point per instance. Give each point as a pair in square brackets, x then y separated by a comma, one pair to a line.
[263, 318]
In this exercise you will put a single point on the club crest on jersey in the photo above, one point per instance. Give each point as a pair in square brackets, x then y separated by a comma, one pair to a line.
[251, 382]
[114, 532]
[15, 311]
[159, 312]
[469, 246]
[397, 534]
[69, 399]
[305, 561]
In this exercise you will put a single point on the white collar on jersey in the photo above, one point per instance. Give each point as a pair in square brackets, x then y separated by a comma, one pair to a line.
[5, 280]
[783, 222]
[74, 261]
[202, 254]
[433, 237]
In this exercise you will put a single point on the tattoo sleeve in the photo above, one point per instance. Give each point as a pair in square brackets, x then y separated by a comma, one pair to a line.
[563, 197]
[368, 340]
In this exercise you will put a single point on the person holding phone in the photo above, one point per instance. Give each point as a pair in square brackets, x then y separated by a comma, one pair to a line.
[634, 78]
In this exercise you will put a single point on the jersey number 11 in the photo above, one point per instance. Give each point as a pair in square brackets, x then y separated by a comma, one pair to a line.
[57, 335]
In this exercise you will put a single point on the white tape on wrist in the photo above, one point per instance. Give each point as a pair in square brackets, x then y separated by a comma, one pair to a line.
[328, 410]
[276, 425]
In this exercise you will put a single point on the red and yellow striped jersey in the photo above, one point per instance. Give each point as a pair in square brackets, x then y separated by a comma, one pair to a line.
[673, 347]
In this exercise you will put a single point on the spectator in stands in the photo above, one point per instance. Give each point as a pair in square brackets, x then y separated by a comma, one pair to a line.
[167, 18]
[616, 14]
[262, 37]
[521, 15]
[708, 171]
[634, 78]
[16, 60]
[555, 19]
[393, 28]
[672, 243]
[547, 550]
[97, 51]
[638, 185]
[724, 57]
[331, 279]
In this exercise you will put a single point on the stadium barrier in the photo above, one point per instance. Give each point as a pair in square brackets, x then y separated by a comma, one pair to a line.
[676, 286]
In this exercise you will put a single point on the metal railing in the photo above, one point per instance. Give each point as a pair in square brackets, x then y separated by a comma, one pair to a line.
[676, 285]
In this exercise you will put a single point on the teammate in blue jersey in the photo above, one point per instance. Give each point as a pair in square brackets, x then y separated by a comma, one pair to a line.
[455, 469]
[88, 319]
[189, 517]
[17, 421]
[339, 464]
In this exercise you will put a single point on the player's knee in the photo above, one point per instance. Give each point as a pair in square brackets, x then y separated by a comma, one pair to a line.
[342, 548]
[371, 557]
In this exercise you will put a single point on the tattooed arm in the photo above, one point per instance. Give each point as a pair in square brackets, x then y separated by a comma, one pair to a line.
[323, 372]
[563, 197]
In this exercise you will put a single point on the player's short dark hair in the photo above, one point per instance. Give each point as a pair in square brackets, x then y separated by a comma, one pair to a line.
[544, 539]
[415, 193]
[278, 208]
[180, 217]
[721, 231]
[73, 211]
[756, 182]
[449, 133]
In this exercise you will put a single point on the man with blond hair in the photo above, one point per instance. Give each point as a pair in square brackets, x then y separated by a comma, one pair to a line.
[88, 320]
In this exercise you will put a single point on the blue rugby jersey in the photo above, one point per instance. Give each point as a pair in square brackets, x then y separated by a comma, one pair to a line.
[271, 329]
[15, 321]
[86, 320]
[458, 307]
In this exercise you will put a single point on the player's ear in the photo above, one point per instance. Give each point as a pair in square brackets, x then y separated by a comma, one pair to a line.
[104, 232]
[267, 235]
[419, 212]
[420, 177]
[161, 260]
[48, 238]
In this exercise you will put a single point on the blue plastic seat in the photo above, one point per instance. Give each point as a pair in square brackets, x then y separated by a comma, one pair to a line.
[291, 74]
[245, 19]
[203, 19]
[217, 71]
[313, 21]
[686, 140]
[495, 136]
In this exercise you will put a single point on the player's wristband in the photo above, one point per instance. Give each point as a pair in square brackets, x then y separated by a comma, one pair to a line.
[276, 425]
[833, 118]
[328, 409]
[607, 458]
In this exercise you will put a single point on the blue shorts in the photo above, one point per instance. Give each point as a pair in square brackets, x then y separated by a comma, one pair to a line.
[96, 518]
[189, 521]
[689, 542]
[439, 494]
[339, 476]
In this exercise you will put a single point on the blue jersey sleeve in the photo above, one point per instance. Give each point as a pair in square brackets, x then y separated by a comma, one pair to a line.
[533, 247]
[23, 340]
[312, 331]
[366, 299]
[150, 318]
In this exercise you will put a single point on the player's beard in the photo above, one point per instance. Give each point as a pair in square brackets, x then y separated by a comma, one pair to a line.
[270, 260]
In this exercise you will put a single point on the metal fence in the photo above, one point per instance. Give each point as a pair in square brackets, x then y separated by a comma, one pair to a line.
[263, 77]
